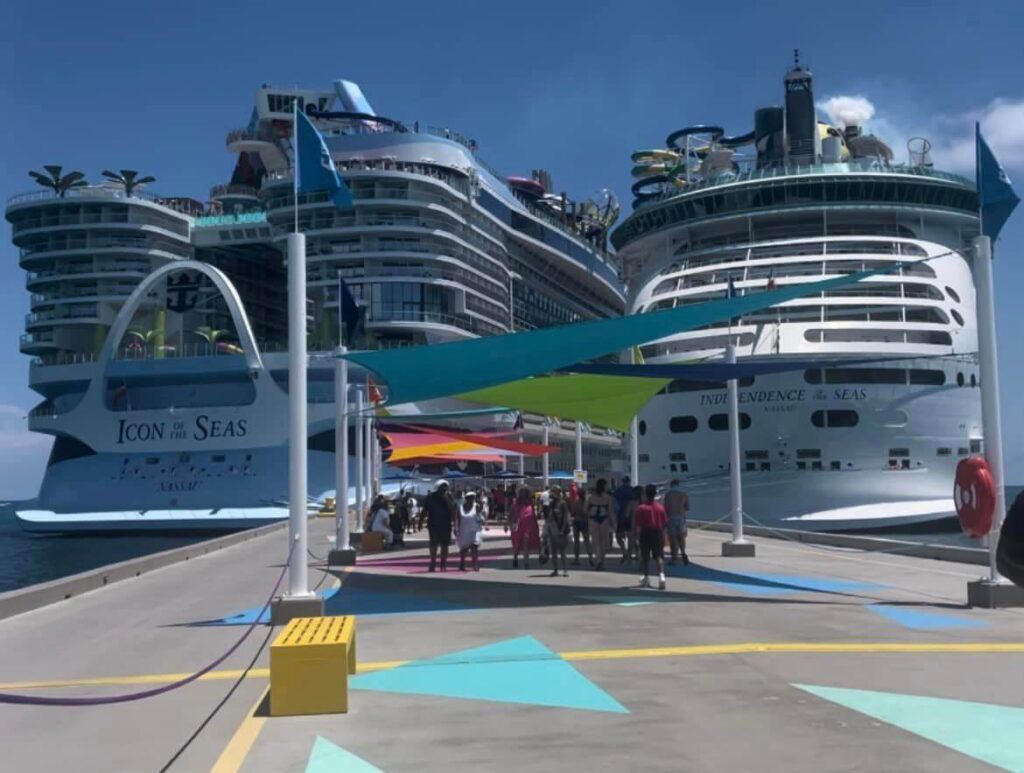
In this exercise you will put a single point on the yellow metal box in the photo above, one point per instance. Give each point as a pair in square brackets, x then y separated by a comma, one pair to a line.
[310, 662]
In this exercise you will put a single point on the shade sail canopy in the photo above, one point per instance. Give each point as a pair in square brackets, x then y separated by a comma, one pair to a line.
[456, 446]
[608, 401]
[456, 367]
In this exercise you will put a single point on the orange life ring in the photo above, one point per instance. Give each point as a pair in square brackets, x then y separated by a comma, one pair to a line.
[974, 494]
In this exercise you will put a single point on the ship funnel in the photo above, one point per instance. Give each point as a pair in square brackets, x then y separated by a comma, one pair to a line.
[801, 121]
[770, 136]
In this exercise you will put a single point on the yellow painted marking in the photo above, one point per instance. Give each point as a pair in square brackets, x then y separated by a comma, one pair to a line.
[740, 648]
[234, 754]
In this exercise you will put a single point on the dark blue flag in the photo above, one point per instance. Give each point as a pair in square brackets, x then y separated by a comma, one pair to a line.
[349, 313]
[996, 196]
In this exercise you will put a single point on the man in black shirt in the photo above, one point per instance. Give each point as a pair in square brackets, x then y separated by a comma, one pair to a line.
[440, 508]
[1010, 552]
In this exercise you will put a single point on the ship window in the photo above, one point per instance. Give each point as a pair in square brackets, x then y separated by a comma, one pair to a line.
[816, 465]
[834, 465]
[756, 454]
[961, 451]
[808, 453]
[644, 458]
[862, 376]
[899, 452]
[217, 458]
[944, 452]
[905, 464]
[65, 448]
[152, 460]
[766, 466]
[642, 427]
[672, 468]
[835, 418]
[928, 377]
[677, 456]
[974, 380]
[801, 465]
[720, 421]
[959, 379]
[751, 467]
[953, 294]
[956, 315]
[975, 446]
[682, 424]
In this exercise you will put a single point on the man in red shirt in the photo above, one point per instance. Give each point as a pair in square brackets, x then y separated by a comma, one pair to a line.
[650, 522]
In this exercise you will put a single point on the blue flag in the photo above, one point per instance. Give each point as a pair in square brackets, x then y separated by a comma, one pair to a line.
[348, 311]
[996, 196]
[314, 169]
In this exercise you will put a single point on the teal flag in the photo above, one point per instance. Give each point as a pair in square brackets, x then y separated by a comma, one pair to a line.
[441, 370]
[996, 196]
[314, 168]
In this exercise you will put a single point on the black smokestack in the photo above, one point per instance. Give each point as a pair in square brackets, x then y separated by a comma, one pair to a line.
[801, 121]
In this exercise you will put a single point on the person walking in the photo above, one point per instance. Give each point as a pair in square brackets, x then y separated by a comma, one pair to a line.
[624, 531]
[651, 522]
[468, 531]
[525, 532]
[440, 509]
[677, 504]
[556, 530]
[599, 511]
[580, 525]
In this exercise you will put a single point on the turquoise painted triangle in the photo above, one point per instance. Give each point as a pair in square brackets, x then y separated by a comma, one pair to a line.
[326, 757]
[985, 731]
[520, 670]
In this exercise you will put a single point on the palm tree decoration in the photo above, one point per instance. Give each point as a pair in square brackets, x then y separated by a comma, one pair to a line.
[58, 183]
[210, 334]
[129, 178]
[143, 338]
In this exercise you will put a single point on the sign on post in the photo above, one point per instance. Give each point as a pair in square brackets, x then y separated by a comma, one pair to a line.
[579, 476]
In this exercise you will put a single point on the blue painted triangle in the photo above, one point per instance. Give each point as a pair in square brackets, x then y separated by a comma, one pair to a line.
[924, 621]
[985, 731]
[326, 757]
[520, 670]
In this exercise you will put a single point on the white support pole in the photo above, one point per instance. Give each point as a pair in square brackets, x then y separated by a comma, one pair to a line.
[545, 460]
[579, 445]
[634, 451]
[298, 584]
[368, 451]
[376, 460]
[989, 367]
[735, 480]
[360, 478]
[341, 524]
[522, 458]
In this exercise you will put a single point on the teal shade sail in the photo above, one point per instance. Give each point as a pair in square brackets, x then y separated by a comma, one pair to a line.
[440, 370]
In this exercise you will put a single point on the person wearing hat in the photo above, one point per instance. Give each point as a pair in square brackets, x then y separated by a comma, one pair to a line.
[380, 519]
[440, 508]
[557, 525]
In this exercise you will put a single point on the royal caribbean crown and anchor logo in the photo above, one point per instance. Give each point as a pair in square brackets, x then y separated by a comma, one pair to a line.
[182, 291]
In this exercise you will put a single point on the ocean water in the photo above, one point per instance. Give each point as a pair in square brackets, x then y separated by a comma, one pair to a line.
[26, 559]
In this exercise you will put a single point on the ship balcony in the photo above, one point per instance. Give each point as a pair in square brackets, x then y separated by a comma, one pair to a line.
[40, 342]
[263, 141]
[43, 319]
[84, 273]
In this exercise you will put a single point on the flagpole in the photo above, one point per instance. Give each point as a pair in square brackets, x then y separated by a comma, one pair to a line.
[634, 439]
[738, 546]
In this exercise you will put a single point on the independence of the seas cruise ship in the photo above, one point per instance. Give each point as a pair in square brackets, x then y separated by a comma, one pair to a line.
[157, 329]
[833, 444]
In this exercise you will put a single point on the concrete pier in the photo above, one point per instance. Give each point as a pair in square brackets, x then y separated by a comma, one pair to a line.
[803, 658]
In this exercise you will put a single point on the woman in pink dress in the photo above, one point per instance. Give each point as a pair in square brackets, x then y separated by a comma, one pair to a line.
[525, 531]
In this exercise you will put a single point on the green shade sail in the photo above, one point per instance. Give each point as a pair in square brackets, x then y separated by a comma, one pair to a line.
[608, 401]
[457, 367]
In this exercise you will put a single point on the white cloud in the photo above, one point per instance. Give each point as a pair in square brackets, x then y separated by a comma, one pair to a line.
[23, 454]
[951, 136]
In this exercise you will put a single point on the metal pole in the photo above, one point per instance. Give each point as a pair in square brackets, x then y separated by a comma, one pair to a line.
[368, 450]
[735, 483]
[579, 446]
[634, 451]
[545, 459]
[341, 524]
[297, 426]
[990, 418]
[360, 479]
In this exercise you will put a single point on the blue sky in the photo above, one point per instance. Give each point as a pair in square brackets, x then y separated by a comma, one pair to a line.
[570, 87]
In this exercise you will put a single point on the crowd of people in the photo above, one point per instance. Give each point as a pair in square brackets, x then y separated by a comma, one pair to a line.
[548, 524]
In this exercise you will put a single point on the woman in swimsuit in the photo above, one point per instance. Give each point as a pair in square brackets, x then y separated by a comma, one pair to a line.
[599, 509]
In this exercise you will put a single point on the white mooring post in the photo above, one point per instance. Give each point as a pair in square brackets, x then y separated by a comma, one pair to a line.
[579, 445]
[737, 546]
[545, 459]
[360, 459]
